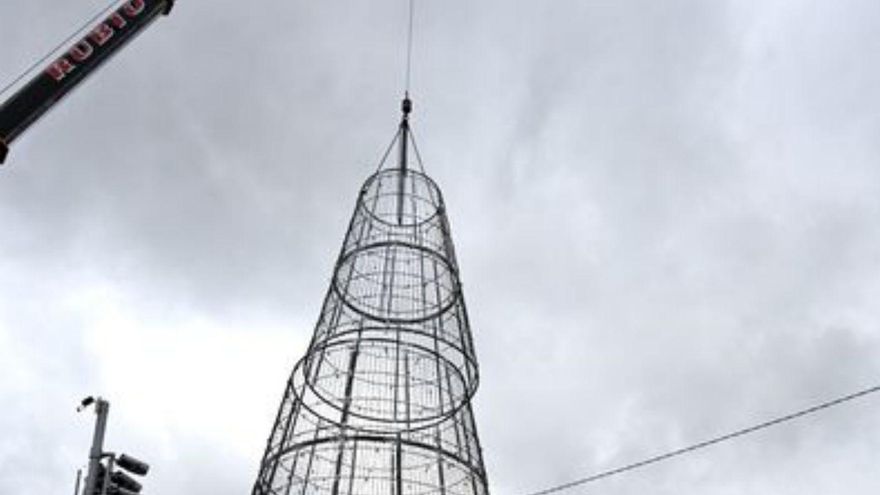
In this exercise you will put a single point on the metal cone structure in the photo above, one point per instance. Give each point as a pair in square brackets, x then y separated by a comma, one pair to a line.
[380, 403]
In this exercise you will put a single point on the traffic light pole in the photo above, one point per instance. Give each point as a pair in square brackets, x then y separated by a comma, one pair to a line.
[78, 481]
[102, 408]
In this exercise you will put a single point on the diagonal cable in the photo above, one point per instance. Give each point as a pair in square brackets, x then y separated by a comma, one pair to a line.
[707, 443]
[102, 13]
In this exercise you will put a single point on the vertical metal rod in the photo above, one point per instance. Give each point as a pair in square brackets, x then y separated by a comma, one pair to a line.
[397, 330]
[346, 406]
[472, 431]
[353, 466]
[476, 437]
[406, 386]
[296, 415]
[102, 408]
[111, 463]
[455, 421]
[354, 453]
[441, 474]
[79, 474]
[286, 419]
[399, 472]
[290, 476]
[308, 475]
[404, 142]
[393, 486]
[396, 398]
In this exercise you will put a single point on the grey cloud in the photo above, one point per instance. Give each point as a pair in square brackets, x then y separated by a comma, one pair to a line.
[666, 217]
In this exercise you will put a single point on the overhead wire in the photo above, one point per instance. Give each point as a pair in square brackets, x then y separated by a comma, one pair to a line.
[707, 443]
[102, 13]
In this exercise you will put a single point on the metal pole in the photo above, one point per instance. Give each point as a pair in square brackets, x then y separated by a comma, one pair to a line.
[111, 463]
[102, 408]
[406, 106]
[79, 474]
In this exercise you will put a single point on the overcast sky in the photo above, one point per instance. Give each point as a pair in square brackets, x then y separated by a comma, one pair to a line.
[667, 216]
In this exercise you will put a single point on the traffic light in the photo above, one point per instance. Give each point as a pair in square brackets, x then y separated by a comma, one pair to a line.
[132, 465]
[123, 484]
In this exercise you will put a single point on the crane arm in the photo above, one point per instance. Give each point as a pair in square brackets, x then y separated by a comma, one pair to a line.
[57, 79]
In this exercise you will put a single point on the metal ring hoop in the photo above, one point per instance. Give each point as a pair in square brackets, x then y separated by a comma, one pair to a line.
[455, 293]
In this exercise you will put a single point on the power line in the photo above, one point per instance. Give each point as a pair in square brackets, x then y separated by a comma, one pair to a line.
[706, 443]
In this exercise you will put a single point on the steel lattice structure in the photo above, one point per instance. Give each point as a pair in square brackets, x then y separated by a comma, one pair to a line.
[380, 403]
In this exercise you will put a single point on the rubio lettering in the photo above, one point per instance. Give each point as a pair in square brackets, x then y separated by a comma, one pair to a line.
[96, 38]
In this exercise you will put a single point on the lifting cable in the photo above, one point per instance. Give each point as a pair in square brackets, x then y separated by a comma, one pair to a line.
[409, 46]
[707, 443]
[103, 13]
